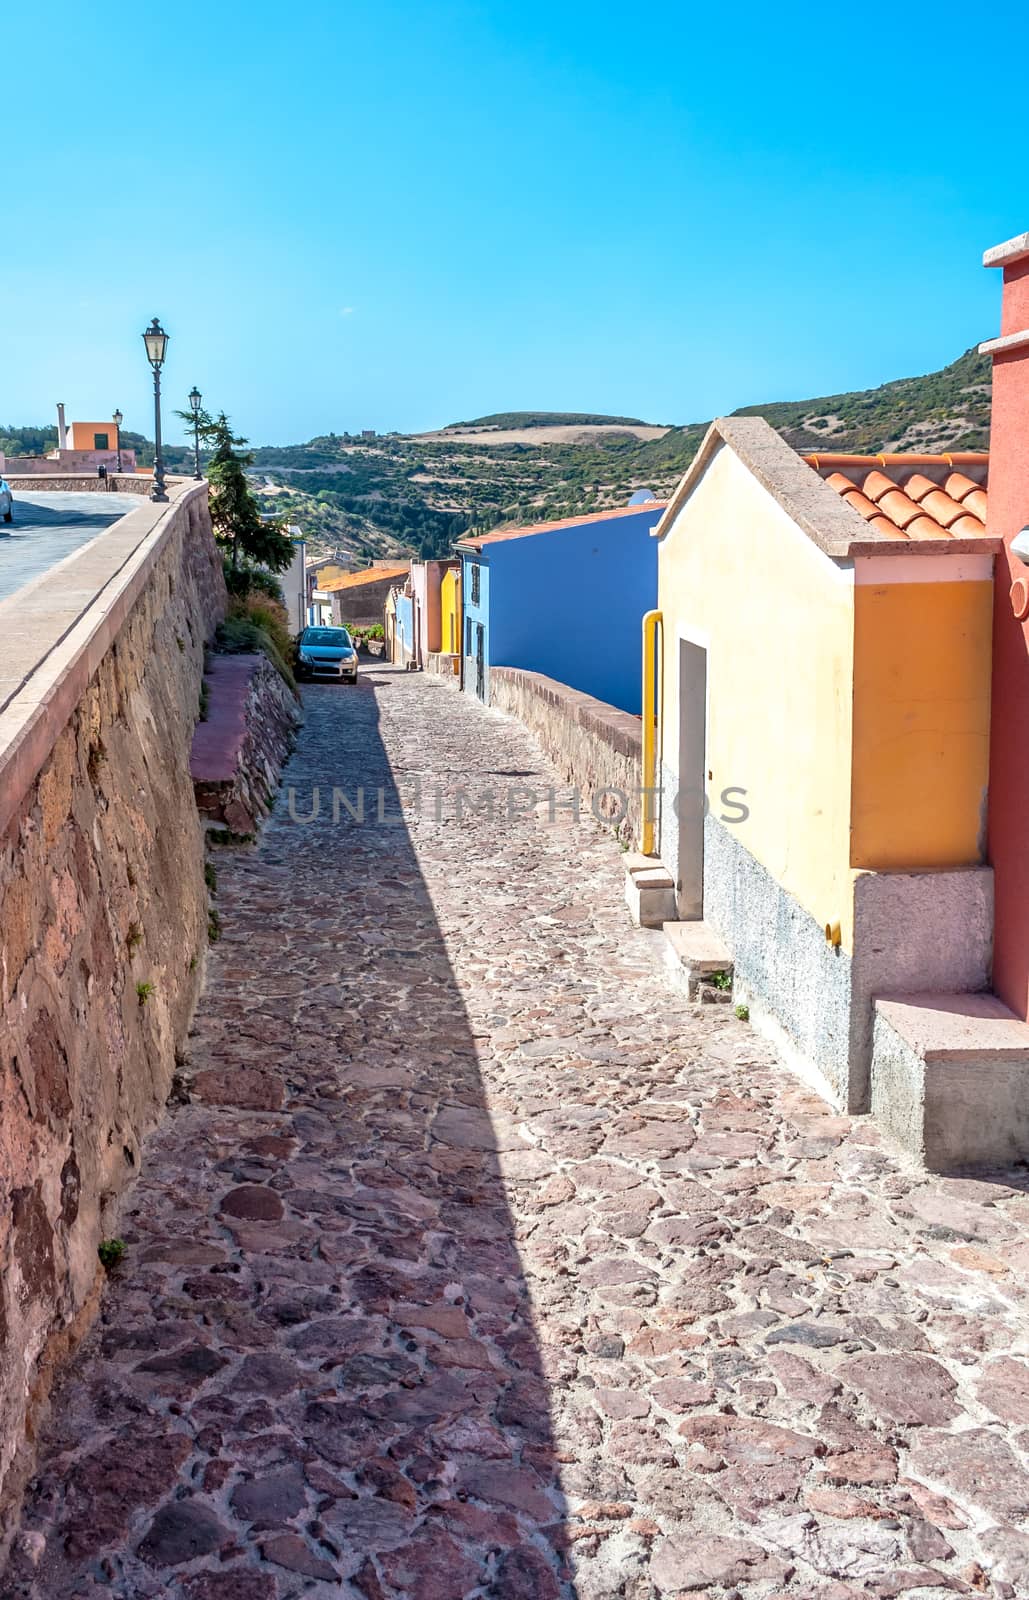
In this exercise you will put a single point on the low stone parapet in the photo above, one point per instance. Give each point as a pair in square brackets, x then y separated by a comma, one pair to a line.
[85, 483]
[594, 746]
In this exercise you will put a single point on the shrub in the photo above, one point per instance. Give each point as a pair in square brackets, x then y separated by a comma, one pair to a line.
[254, 622]
[110, 1252]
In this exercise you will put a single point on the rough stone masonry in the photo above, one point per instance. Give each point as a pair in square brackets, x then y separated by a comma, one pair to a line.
[103, 930]
[474, 1262]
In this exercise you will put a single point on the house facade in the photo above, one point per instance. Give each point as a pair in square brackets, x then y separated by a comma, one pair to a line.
[824, 733]
[427, 579]
[359, 597]
[563, 599]
[450, 610]
[1008, 518]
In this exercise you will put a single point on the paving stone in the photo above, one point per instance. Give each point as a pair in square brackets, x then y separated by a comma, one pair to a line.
[181, 1531]
[270, 1500]
[902, 1388]
[478, 1262]
[290, 1551]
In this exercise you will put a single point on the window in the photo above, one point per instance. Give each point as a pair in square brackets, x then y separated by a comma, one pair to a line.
[476, 577]
[100, 441]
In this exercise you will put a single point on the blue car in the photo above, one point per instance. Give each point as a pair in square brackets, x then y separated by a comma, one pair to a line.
[6, 501]
[326, 653]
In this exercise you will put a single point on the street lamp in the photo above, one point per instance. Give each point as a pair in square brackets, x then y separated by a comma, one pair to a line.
[117, 419]
[156, 341]
[195, 398]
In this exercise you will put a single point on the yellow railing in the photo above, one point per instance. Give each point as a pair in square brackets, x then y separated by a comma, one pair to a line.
[653, 695]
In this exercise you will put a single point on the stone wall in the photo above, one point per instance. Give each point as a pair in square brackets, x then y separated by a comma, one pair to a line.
[84, 482]
[103, 913]
[594, 746]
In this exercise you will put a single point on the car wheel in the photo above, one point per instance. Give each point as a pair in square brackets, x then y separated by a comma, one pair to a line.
[8, 516]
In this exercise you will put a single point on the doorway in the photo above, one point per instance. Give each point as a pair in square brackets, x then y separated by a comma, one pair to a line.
[691, 802]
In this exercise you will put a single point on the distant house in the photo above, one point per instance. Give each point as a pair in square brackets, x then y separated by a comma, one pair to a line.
[427, 579]
[398, 619]
[360, 597]
[81, 447]
[450, 610]
[564, 599]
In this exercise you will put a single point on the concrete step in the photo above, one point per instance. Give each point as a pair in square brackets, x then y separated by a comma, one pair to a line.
[950, 1078]
[649, 890]
[694, 951]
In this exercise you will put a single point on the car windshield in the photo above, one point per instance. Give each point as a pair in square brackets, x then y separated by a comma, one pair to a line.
[331, 636]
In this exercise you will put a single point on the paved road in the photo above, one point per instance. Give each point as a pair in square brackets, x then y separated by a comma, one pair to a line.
[48, 527]
[478, 1264]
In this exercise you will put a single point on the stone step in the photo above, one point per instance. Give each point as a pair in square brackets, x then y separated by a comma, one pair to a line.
[950, 1078]
[694, 951]
[650, 895]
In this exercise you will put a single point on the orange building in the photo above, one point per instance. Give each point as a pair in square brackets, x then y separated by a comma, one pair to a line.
[93, 436]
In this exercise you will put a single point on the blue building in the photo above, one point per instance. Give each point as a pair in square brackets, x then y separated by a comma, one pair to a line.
[562, 598]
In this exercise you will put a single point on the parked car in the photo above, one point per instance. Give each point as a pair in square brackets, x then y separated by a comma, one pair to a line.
[326, 653]
[6, 501]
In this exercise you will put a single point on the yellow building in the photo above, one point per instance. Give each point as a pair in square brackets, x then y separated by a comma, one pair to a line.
[450, 612]
[823, 731]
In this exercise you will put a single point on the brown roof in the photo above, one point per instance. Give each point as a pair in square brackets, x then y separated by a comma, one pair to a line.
[476, 542]
[394, 569]
[912, 497]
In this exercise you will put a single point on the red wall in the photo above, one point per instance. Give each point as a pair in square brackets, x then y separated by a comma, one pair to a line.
[1008, 834]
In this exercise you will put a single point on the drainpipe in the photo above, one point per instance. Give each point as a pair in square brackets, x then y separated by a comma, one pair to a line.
[653, 687]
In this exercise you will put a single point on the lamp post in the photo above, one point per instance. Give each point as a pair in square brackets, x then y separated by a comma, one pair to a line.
[156, 341]
[117, 420]
[195, 398]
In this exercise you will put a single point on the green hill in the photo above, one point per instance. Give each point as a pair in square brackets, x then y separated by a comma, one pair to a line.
[398, 495]
[946, 410]
[548, 419]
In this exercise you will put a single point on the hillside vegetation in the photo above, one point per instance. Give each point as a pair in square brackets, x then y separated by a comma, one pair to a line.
[399, 495]
[545, 419]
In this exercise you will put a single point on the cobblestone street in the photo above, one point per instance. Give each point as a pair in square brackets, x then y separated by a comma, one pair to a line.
[471, 1261]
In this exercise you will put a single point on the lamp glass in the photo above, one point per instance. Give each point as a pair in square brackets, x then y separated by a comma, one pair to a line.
[156, 341]
[195, 398]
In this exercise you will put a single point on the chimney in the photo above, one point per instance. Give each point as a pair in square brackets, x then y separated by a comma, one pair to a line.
[1007, 515]
[62, 431]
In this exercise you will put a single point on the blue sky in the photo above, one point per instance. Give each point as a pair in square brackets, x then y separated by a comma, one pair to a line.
[401, 214]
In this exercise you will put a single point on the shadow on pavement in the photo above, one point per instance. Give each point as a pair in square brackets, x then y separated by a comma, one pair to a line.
[318, 1373]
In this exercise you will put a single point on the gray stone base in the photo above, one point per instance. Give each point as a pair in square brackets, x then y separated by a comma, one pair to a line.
[781, 960]
[924, 931]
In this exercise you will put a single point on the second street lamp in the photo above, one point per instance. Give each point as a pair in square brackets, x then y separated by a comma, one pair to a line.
[156, 341]
[117, 420]
[195, 398]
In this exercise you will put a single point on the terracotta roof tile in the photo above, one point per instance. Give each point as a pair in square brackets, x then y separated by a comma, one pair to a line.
[353, 580]
[912, 497]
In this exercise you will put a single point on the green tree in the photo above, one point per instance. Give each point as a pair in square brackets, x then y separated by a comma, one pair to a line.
[248, 538]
